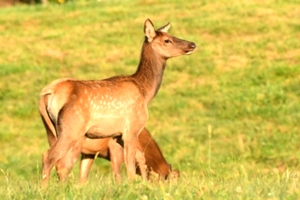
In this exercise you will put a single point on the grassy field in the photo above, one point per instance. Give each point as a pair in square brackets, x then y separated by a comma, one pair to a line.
[243, 81]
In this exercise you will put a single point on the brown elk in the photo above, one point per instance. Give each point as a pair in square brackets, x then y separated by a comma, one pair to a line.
[107, 148]
[110, 107]
[155, 161]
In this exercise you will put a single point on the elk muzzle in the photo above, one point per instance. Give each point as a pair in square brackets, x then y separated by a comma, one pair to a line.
[191, 48]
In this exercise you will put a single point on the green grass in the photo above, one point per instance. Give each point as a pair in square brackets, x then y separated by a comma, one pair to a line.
[243, 80]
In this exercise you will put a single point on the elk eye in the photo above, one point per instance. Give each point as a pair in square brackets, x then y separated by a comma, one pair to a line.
[167, 41]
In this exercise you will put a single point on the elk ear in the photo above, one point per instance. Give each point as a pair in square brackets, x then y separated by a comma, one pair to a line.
[165, 28]
[149, 30]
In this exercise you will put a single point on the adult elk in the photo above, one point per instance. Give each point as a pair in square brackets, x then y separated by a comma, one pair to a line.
[110, 107]
[107, 148]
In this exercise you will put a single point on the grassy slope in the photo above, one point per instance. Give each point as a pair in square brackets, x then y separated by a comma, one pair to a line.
[243, 80]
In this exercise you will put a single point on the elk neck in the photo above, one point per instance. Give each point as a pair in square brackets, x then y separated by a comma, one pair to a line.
[150, 72]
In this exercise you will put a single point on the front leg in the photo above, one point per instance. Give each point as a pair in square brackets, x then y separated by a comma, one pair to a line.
[130, 138]
[116, 158]
[85, 166]
[130, 147]
[141, 161]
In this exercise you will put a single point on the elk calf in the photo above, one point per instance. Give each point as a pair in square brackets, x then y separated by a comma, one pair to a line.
[117, 106]
[108, 148]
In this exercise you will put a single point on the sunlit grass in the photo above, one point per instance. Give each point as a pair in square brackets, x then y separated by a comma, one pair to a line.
[243, 80]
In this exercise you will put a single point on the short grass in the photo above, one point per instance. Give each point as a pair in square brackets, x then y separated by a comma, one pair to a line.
[243, 81]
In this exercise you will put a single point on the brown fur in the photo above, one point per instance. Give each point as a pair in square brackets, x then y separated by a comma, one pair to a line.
[111, 149]
[110, 107]
[155, 161]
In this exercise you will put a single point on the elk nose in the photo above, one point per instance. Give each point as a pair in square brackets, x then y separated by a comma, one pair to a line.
[193, 45]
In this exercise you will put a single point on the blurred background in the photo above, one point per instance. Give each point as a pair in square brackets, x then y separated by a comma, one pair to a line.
[242, 81]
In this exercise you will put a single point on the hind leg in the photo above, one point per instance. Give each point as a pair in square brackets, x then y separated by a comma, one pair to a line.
[56, 152]
[51, 157]
[66, 163]
[69, 133]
